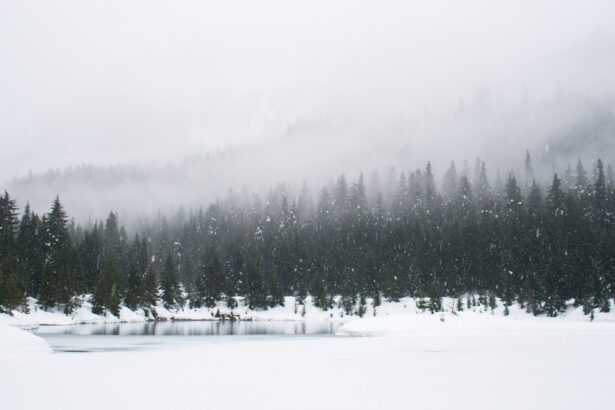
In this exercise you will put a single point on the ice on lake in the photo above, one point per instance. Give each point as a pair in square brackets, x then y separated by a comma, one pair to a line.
[171, 334]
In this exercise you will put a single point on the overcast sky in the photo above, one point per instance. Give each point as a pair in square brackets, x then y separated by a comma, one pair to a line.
[106, 82]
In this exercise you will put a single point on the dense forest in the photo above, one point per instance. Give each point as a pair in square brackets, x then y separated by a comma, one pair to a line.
[515, 239]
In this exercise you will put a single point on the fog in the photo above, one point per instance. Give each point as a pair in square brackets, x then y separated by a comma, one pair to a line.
[175, 103]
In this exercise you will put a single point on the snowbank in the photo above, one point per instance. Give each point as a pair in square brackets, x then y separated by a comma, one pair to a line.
[396, 324]
[291, 311]
[37, 316]
[447, 324]
[404, 318]
[16, 341]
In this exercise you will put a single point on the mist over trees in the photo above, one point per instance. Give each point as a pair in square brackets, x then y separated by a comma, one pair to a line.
[516, 237]
[557, 129]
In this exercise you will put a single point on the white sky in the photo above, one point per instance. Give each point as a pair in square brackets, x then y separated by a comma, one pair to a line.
[115, 81]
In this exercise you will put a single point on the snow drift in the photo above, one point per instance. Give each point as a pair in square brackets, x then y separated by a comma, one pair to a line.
[16, 341]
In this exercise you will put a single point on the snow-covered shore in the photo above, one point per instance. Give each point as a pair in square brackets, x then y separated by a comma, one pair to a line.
[17, 342]
[291, 311]
[404, 318]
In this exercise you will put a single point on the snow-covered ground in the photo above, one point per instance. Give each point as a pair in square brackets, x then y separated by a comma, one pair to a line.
[291, 311]
[462, 363]
[466, 360]
[16, 342]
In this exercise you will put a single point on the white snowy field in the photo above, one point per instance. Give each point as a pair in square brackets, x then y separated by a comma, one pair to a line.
[403, 360]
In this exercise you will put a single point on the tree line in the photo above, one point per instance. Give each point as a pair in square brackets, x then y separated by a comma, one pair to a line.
[515, 240]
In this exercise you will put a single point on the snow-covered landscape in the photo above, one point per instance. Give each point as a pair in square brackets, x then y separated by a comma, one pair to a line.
[403, 359]
[307, 205]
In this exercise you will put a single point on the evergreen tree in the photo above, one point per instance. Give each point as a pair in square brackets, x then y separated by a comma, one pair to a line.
[552, 289]
[91, 250]
[30, 253]
[169, 285]
[528, 171]
[211, 283]
[11, 287]
[513, 255]
[149, 294]
[449, 183]
[137, 267]
[108, 290]
[59, 276]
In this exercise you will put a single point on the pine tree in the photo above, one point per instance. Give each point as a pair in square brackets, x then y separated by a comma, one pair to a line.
[580, 183]
[449, 183]
[513, 256]
[149, 295]
[602, 270]
[11, 287]
[556, 273]
[30, 252]
[108, 290]
[169, 285]
[106, 295]
[254, 288]
[135, 275]
[91, 250]
[528, 171]
[59, 276]
[212, 283]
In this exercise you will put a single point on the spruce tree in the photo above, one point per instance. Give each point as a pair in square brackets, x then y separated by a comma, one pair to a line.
[135, 275]
[12, 293]
[29, 248]
[108, 289]
[59, 276]
[213, 283]
[150, 290]
[169, 285]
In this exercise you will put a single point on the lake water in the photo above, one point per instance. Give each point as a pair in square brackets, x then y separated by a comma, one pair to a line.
[172, 334]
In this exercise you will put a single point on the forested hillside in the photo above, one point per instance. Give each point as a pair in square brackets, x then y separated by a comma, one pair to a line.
[557, 130]
[537, 243]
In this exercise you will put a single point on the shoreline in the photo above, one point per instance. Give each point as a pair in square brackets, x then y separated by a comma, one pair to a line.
[289, 312]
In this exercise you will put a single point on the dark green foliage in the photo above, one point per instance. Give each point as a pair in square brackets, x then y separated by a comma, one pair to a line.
[136, 274]
[210, 283]
[149, 289]
[169, 284]
[30, 251]
[106, 294]
[108, 288]
[59, 279]
[520, 242]
[90, 250]
[12, 283]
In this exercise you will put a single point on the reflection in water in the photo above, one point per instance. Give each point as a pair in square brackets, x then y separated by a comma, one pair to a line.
[196, 328]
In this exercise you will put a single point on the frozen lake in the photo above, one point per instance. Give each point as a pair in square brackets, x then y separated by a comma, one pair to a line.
[412, 361]
[171, 334]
